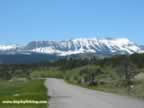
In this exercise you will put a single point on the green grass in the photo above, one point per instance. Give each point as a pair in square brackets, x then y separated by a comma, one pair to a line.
[23, 90]
[47, 73]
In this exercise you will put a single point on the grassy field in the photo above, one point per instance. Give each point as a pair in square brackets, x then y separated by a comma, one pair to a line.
[23, 90]
[47, 73]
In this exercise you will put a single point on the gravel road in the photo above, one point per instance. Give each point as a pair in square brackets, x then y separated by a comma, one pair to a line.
[64, 95]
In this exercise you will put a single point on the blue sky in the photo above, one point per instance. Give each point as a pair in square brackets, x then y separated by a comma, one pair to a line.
[22, 21]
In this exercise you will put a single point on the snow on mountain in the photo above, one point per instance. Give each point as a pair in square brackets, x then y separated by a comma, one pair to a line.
[106, 46]
[7, 47]
[85, 45]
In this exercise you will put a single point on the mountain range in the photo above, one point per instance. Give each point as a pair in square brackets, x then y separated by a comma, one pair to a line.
[58, 49]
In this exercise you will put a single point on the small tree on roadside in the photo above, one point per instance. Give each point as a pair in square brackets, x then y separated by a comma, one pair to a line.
[129, 69]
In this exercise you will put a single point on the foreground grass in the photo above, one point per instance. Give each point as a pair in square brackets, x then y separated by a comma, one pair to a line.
[23, 90]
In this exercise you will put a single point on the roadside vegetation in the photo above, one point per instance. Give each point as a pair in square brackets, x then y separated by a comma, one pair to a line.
[44, 72]
[22, 90]
[17, 84]
[122, 74]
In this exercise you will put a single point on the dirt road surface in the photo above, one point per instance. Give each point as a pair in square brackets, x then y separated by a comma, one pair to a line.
[64, 95]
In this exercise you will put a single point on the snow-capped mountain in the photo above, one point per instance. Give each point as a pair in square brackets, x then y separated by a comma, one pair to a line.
[105, 46]
[44, 51]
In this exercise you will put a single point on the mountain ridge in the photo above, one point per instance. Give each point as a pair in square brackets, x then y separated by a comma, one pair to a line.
[85, 45]
[110, 46]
